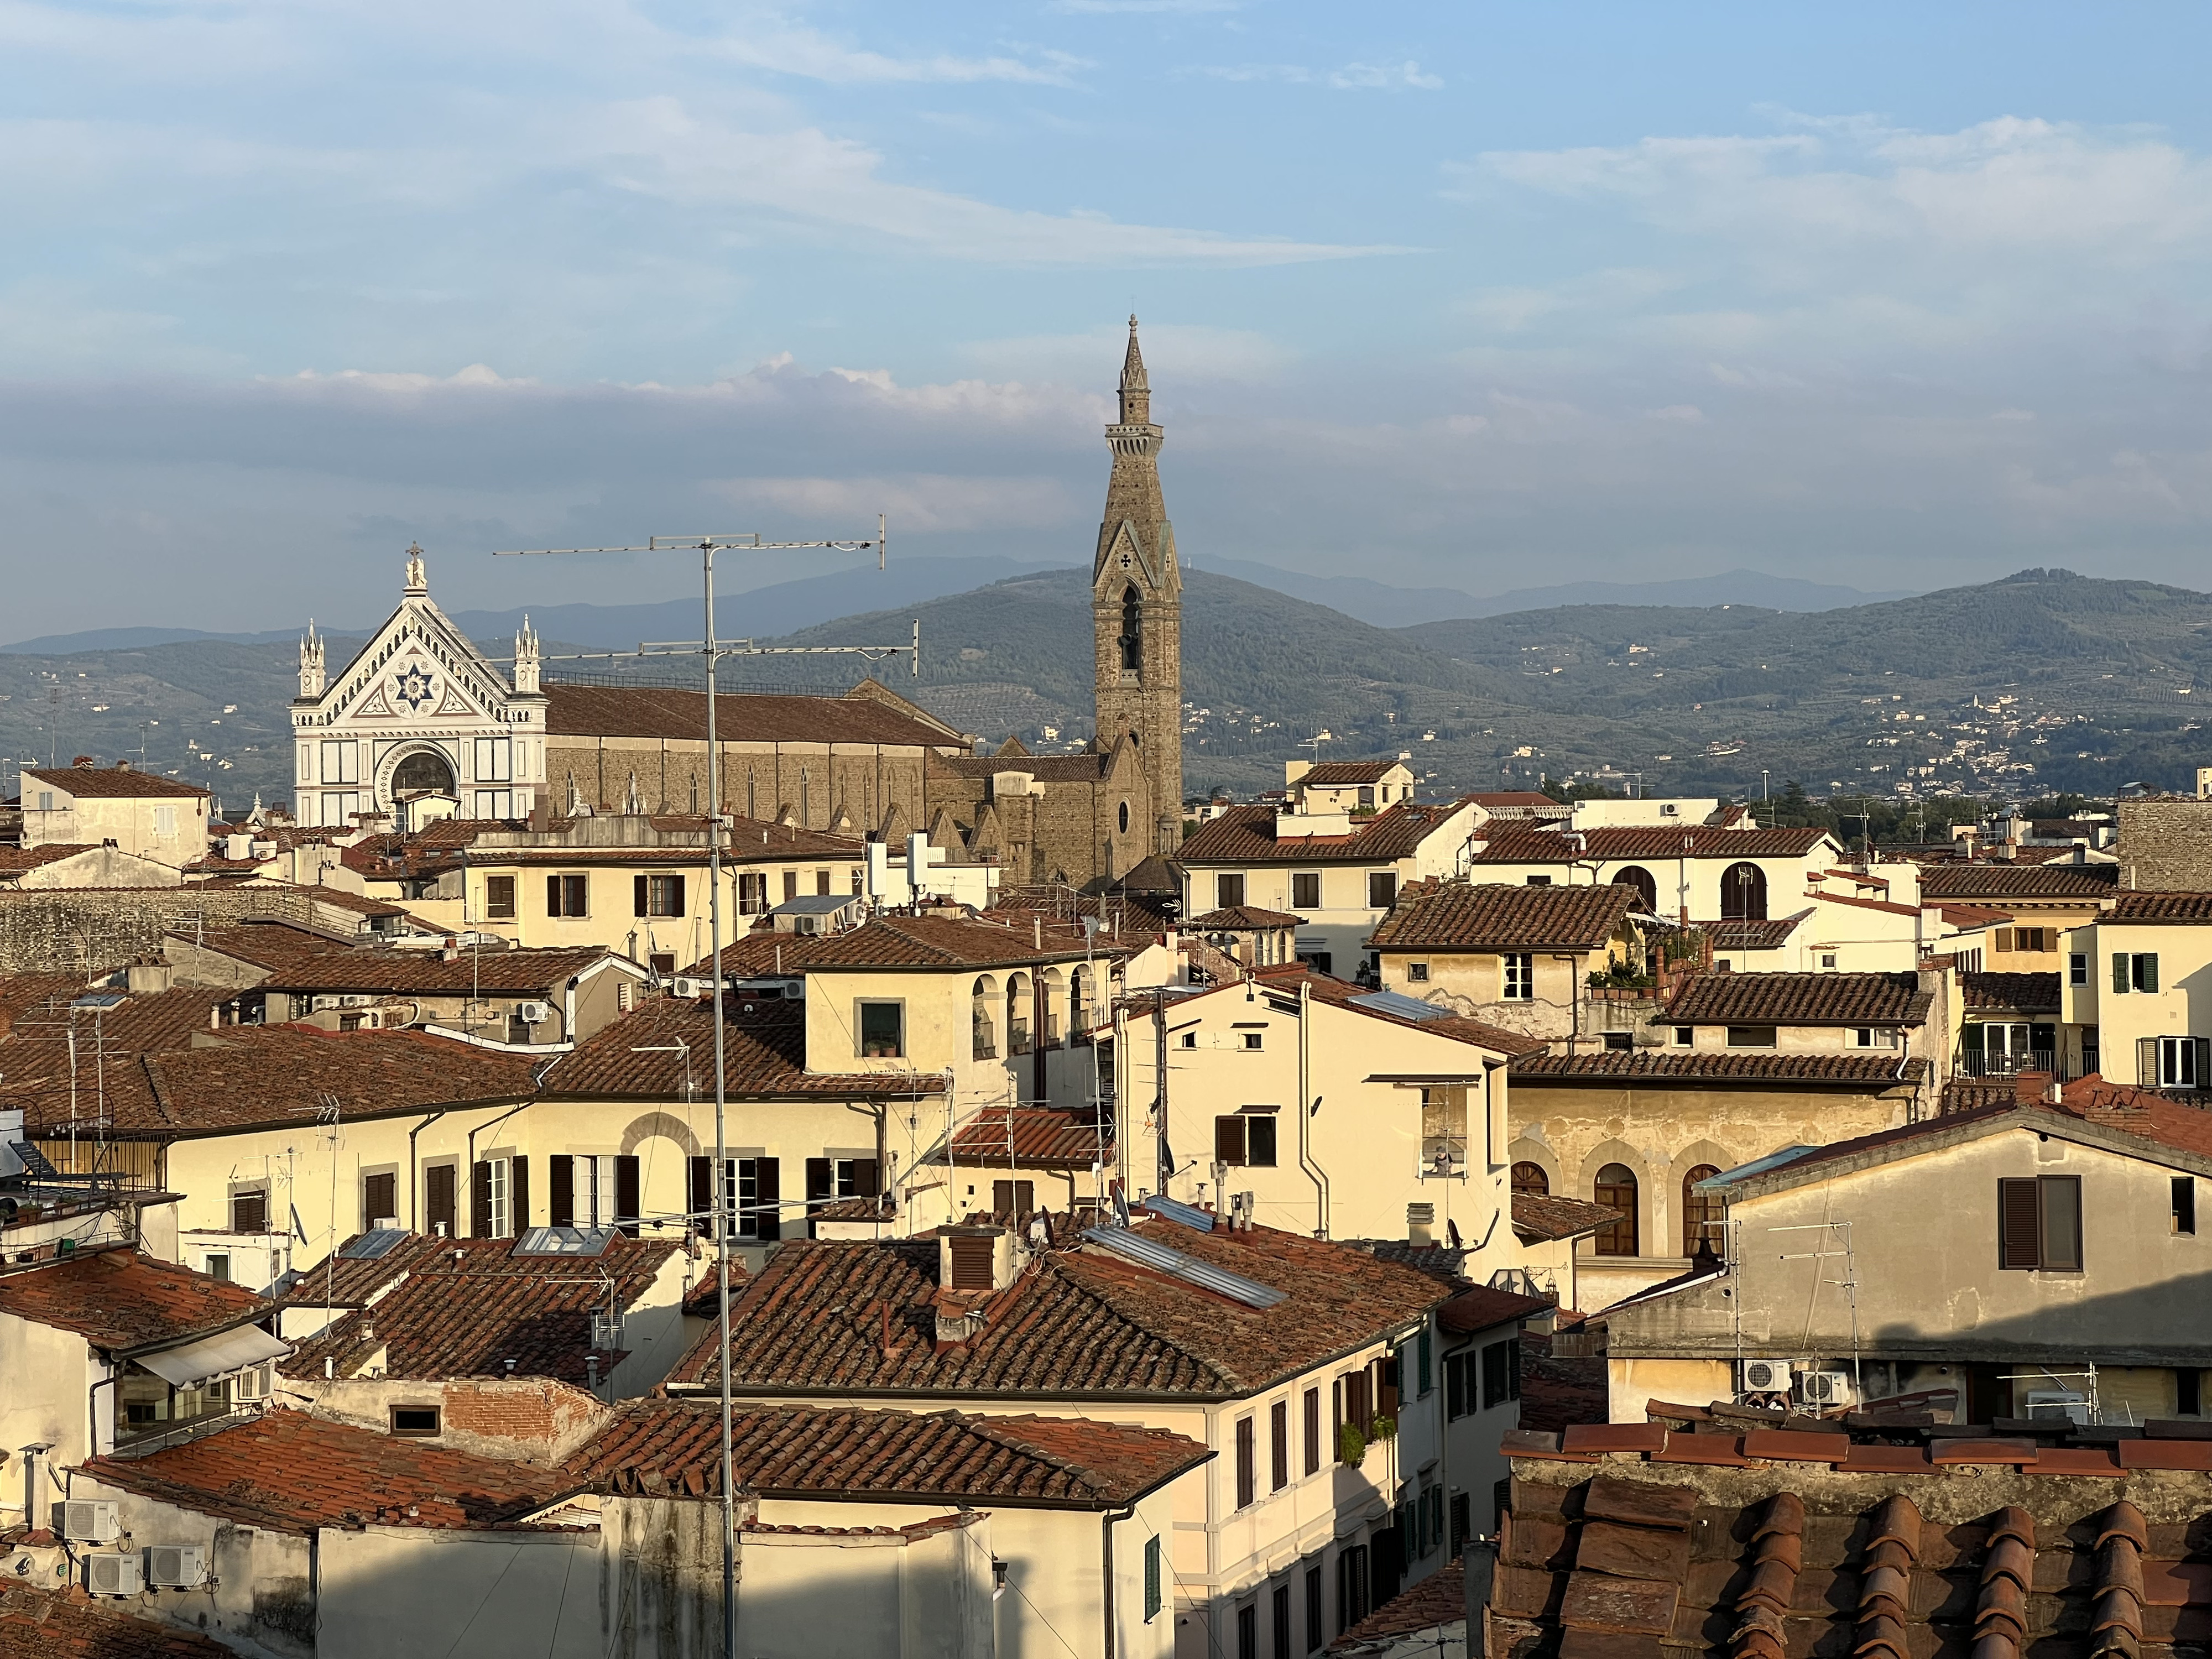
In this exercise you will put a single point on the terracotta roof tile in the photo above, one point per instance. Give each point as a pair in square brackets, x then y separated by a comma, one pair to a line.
[1483, 1307]
[2017, 881]
[1246, 835]
[2025, 994]
[1339, 775]
[1735, 934]
[465, 1307]
[17, 860]
[1767, 1067]
[1439, 1599]
[68, 1624]
[1541, 1218]
[704, 1299]
[601, 711]
[1514, 844]
[1086, 767]
[292, 1473]
[113, 783]
[1029, 1137]
[674, 1446]
[1342, 993]
[763, 1055]
[943, 942]
[1799, 999]
[1242, 918]
[432, 973]
[857, 1319]
[121, 1301]
[1455, 915]
[2140, 907]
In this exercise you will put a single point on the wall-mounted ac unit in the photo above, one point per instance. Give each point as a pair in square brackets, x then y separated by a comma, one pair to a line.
[2059, 1405]
[687, 987]
[176, 1567]
[1826, 1388]
[533, 1013]
[114, 1575]
[1767, 1376]
[90, 1520]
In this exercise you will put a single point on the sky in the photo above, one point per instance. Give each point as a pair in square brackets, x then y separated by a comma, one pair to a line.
[1479, 294]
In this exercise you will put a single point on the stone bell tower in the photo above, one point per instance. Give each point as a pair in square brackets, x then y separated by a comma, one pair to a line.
[1136, 608]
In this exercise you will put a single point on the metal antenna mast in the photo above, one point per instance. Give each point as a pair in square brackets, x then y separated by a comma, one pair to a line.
[706, 546]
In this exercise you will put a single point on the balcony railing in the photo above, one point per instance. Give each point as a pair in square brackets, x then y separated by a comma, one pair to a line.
[2010, 1064]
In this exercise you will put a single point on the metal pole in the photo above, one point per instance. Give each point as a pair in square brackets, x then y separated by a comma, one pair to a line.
[721, 1142]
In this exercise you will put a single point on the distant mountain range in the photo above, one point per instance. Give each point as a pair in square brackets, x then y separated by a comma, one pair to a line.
[786, 607]
[2044, 681]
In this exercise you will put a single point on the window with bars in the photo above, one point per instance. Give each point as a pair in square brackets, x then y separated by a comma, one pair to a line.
[2040, 1224]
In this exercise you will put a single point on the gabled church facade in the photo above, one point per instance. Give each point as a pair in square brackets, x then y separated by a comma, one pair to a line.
[419, 725]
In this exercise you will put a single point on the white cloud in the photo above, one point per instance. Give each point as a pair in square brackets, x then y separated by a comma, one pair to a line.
[784, 49]
[1364, 77]
[1387, 76]
[1093, 358]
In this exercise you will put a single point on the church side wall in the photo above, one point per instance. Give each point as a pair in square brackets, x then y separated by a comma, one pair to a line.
[815, 781]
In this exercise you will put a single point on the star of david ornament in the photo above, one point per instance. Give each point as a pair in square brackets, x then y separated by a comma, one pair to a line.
[413, 688]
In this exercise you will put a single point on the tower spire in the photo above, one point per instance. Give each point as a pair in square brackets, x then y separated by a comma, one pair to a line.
[1136, 390]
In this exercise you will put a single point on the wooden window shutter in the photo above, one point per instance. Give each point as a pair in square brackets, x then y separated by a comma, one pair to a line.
[820, 1179]
[2146, 970]
[552, 896]
[768, 1220]
[637, 896]
[1228, 1140]
[519, 1193]
[2203, 1047]
[480, 1199]
[438, 1182]
[971, 1263]
[2059, 1237]
[560, 1202]
[2146, 1062]
[2019, 1222]
[868, 1178]
[676, 885]
[626, 1194]
[2120, 971]
[701, 1202]
[1247, 1473]
[2004, 939]
[381, 1198]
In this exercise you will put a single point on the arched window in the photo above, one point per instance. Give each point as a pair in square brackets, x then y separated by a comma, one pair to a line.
[425, 772]
[1701, 1213]
[1123, 818]
[1132, 631]
[1616, 1190]
[1743, 893]
[1531, 1179]
[1647, 890]
[1079, 995]
[985, 1031]
[1051, 982]
[1017, 1013]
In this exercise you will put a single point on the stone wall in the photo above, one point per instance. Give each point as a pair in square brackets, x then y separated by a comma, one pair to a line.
[862, 782]
[94, 931]
[2165, 845]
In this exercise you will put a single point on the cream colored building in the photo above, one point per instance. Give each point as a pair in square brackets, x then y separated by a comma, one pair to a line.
[136, 813]
[2005, 1253]
[1732, 872]
[2136, 997]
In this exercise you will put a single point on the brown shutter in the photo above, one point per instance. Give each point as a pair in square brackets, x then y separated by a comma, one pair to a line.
[768, 1184]
[2146, 1062]
[702, 1201]
[552, 896]
[637, 894]
[249, 1212]
[868, 1178]
[677, 884]
[626, 1197]
[2018, 1218]
[519, 1191]
[1247, 1471]
[560, 1202]
[819, 1178]
[1229, 1139]
[1278, 1443]
[2060, 1234]
[380, 1194]
[480, 1200]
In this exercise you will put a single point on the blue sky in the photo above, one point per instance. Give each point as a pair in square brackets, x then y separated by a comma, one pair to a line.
[1480, 294]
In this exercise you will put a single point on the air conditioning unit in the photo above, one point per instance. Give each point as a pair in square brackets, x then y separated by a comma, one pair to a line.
[176, 1567]
[2059, 1405]
[687, 987]
[1826, 1388]
[533, 1013]
[114, 1575]
[606, 1334]
[1767, 1376]
[90, 1520]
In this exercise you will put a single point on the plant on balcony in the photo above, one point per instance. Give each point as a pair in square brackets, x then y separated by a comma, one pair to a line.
[1383, 1428]
[1618, 976]
[1351, 1446]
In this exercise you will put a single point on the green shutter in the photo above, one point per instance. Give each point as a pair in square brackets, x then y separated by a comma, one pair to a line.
[1428, 1363]
[1151, 1579]
[2119, 971]
[2146, 970]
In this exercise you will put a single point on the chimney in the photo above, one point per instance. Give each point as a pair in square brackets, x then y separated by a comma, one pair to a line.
[975, 1259]
[1421, 1225]
[146, 979]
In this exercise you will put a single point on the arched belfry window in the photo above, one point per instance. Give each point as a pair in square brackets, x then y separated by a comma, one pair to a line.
[1133, 630]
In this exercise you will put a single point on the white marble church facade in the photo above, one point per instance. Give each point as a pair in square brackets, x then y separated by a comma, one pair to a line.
[419, 725]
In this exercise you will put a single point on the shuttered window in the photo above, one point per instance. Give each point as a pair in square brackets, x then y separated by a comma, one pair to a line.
[1151, 1579]
[2040, 1224]
[1278, 1443]
[1248, 1474]
[1312, 1430]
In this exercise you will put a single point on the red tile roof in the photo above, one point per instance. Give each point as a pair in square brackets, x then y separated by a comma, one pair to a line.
[704, 1299]
[1125, 914]
[1078, 1323]
[674, 1447]
[2017, 881]
[603, 711]
[68, 1624]
[1455, 915]
[764, 1056]
[1028, 1138]
[951, 942]
[16, 861]
[117, 782]
[1483, 1307]
[1246, 835]
[271, 945]
[1515, 844]
[1087, 767]
[1242, 919]
[1756, 1069]
[1439, 1599]
[1734, 933]
[1338, 774]
[465, 1307]
[292, 1473]
[432, 973]
[2026, 993]
[1799, 999]
[2141, 907]
[1543, 1218]
[123, 1302]
[1341, 993]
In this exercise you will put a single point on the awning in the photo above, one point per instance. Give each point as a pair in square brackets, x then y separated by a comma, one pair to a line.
[213, 1356]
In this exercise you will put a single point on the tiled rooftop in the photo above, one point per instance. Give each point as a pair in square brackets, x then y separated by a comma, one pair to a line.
[763, 1055]
[601, 711]
[1455, 915]
[1028, 1138]
[1340, 774]
[2000, 882]
[2162, 907]
[1481, 1307]
[1242, 918]
[1246, 835]
[463, 1307]
[292, 1473]
[1438, 1599]
[1776, 1548]
[856, 1319]
[1746, 1068]
[68, 1624]
[1543, 1217]
[674, 1447]
[116, 782]
[953, 942]
[1342, 993]
[1735, 934]
[1514, 844]
[2025, 994]
[1799, 999]
[121, 1301]
[433, 972]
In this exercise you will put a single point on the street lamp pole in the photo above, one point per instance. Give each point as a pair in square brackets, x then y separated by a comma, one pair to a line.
[707, 546]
